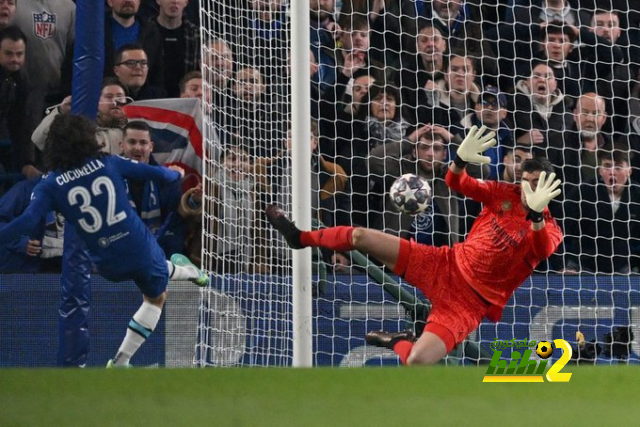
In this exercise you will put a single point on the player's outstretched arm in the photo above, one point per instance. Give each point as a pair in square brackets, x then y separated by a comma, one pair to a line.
[539, 198]
[472, 147]
[141, 171]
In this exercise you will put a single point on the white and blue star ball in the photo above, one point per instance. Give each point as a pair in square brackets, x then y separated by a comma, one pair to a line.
[410, 194]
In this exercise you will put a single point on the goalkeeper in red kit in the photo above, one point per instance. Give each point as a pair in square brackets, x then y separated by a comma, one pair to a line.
[471, 280]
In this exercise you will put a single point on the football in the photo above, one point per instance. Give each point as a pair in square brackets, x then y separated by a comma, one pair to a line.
[544, 349]
[410, 194]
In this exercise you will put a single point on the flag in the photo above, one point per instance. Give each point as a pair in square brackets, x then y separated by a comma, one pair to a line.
[176, 132]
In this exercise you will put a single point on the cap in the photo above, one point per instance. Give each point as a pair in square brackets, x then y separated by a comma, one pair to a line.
[493, 92]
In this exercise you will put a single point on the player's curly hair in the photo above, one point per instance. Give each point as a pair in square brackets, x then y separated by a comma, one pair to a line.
[71, 141]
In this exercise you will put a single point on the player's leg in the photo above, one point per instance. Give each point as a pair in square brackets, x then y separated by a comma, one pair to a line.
[181, 268]
[152, 278]
[384, 247]
[429, 349]
[140, 327]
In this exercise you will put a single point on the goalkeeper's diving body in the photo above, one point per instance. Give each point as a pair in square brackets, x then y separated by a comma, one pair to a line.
[471, 280]
[88, 188]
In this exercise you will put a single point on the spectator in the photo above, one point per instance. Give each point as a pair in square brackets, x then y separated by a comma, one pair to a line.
[191, 210]
[605, 23]
[7, 12]
[329, 183]
[352, 54]
[541, 113]
[149, 9]
[190, 207]
[577, 155]
[491, 111]
[557, 47]
[512, 40]
[439, 224]
[50, 29]
[264, 38]
[340, 102]
[132, 69]
[110, 120]
[217, 65]
[393, 27]
[229, 209]
[191, 85]
[41, 250]
[282, 91]
[339, 107]
[324, 32]
[254, 121]
[459, 23]
[456, 94]
[155, 202]
[602, 233]
[180, 42]
[612, 71]
[123, 27]
[420, 71]
[19, 156]
[527, 12]
[377, 123]
[512, 161]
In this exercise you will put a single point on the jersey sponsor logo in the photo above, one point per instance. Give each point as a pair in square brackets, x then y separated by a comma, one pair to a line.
[502, 237]
[104, 242]
[44, 25]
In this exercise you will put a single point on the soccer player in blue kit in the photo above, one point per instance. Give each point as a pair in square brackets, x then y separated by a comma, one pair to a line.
[87, 187]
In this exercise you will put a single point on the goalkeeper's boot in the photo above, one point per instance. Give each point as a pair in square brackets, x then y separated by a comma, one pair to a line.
[200, 278]
[111, 365]
[388, 339]
[278, 219]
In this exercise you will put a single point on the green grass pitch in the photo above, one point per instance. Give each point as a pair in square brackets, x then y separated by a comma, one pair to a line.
[435, 396]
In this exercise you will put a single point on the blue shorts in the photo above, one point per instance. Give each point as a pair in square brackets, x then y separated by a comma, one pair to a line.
[150, 273]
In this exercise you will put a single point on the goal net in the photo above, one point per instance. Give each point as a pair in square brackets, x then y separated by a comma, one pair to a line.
[395, 87]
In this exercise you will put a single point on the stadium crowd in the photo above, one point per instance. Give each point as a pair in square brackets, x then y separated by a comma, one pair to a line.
[396, 86]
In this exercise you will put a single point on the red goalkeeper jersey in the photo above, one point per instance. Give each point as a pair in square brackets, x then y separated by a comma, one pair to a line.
[501, 250]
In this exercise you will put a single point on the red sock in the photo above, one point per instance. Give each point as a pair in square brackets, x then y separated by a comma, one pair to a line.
[403, 349]
[336, 238]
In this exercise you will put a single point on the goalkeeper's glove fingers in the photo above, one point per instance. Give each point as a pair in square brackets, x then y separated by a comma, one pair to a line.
[474, 144]
[546, 190]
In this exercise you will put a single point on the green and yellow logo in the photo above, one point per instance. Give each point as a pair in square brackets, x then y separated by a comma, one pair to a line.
[521, 368]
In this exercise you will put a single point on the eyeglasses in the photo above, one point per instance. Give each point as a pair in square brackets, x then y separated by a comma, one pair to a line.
[133, 63]
[492, 104]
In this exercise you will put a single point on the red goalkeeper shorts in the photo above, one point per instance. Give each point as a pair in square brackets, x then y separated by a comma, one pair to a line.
[456, 310]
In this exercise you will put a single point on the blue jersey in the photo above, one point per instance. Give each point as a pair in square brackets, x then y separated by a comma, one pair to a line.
[93, 198]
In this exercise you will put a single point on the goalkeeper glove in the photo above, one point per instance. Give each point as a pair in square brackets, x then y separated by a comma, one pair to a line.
[537, 200]
[473, 145]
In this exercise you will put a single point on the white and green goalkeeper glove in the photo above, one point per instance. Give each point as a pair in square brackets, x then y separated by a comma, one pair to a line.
[474, 144]
[537, 200]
